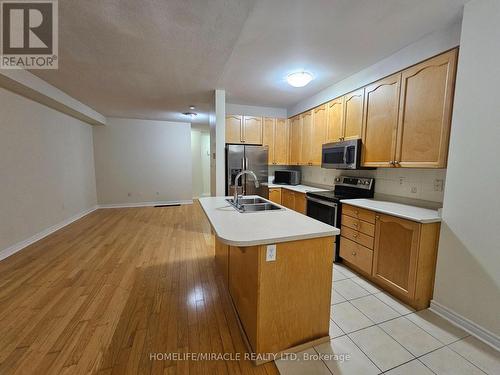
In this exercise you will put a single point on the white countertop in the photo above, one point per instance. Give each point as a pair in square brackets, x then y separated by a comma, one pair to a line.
[298, 188]
[421, 215]
[264, 227]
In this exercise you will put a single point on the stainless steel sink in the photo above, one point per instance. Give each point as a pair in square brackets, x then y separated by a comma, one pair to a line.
[253, 205]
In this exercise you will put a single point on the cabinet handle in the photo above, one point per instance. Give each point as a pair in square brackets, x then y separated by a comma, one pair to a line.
[391, 162]
[356, 212]
[377, 217]
[355, 235]
[354, 253]
[396, 162]
[355, 224]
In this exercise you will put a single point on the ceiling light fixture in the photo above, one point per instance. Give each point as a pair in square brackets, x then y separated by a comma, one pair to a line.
[190, 114]
[191, 107]
[299, 79]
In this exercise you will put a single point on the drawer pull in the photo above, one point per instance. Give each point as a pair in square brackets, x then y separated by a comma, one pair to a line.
[355, 224]
[354, 253]
[377, 217]
[355, 235]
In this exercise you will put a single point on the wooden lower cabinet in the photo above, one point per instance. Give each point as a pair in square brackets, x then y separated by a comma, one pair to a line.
[294, 200]
[222, 259]
[284, 303]
[275, 195]
[399, 255]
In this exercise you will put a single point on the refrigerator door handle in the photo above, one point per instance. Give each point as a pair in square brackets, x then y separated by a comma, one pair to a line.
[246, 163]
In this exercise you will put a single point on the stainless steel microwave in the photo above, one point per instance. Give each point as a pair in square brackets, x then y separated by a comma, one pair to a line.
[341, 155]
[287, 177]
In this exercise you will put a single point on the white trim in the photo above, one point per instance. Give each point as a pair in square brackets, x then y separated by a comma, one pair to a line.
[467, 325]
[37, 237]
[145, 204]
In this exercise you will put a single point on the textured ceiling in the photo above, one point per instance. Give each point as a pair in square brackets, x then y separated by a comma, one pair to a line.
[153, 58]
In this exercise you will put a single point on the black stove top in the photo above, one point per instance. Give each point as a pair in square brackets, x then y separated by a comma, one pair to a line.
[347, 188]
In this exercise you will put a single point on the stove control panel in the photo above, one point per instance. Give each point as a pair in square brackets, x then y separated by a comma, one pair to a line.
[358, 182]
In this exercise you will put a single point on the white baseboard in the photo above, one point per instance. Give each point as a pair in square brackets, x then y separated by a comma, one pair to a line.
[37, 237]
[466, 324]
[145, 204]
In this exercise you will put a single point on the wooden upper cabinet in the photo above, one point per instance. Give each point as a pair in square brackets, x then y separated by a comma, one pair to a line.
[380, 122]
[268, 129]
[234, 127]
[353, 114]
[396, 254]
[319, 129]
[295, 140]
[281, 142]
[425, 109]
[307, 133]
[335, 120]
[252, 130]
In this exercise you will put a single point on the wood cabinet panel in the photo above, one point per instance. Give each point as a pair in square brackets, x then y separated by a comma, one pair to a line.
[300, 203]
[295, 155]
[234, 127]
[358, 213]
[353, 114]
[275, 195]
[357, 236]
[222, 259]
[307, 134]
[281, 141]
[356, 254]
[268, 132]
[359, 225]
[288, 199]
[318, 137]
[252, 130]
[425, 112]
[244, 287]
[395, 254]
[380, 122]
[335, 120]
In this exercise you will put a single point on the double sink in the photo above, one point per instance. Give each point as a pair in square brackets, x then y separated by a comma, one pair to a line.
[253, 204]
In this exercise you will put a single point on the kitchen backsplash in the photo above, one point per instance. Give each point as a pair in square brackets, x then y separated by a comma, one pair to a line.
[424, 184]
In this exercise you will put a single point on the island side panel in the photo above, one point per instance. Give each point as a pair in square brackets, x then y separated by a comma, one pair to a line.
[222, 259]
[244, 288]
[294, 294]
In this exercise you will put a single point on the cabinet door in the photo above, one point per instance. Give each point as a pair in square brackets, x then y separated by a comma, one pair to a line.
[234, 127]
[288, 199]
[425, 112]
[306, 138]
[275, 195]
[222, 259]
[380, 122]
[300, 203]
[395, 254]
[318, 133]
[335, 122]
[268, 132]
[353, 114]
[295, 140]
[252, 130]
[281, 142]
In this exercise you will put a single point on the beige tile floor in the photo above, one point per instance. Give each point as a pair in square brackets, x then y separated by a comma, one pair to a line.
[372, 333]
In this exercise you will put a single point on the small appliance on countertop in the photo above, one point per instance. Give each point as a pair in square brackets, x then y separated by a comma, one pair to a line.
[286, 177]
[325, 206]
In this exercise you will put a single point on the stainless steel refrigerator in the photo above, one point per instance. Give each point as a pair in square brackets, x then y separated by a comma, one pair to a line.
[254, 158]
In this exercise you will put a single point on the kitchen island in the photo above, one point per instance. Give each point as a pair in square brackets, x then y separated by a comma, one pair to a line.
[277, 266]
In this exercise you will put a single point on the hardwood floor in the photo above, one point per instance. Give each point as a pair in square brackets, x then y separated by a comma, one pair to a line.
[106, 293]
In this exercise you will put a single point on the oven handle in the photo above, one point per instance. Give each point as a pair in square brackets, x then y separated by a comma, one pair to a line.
[326, 203]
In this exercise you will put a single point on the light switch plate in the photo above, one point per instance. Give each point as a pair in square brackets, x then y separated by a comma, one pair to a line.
[271, 253]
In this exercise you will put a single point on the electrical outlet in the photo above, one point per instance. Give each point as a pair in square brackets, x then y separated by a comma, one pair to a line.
[414, 189]
[271, 253]
[438, 184]
[401, 180]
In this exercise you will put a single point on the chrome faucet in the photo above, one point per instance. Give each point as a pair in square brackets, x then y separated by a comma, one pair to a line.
[238, 176]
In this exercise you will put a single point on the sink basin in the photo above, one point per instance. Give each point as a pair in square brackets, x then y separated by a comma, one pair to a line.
[244, 200]
[253, 205]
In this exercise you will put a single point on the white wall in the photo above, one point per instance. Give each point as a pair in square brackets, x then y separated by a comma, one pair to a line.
[200, 154]
[217, 144]
[468, 275]
[46, 168]
[141, 161]
[250, 110]
[428, 46]
[406, 183]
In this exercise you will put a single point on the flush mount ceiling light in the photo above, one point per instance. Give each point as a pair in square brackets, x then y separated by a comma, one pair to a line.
[190, 114]
[299, 79]
[191, 107]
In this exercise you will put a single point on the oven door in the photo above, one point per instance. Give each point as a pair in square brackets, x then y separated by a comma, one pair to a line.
[322, 210]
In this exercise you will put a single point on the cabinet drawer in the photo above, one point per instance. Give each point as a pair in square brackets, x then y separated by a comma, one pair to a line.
[359, 225]
[356, 254]
[359, 213]
[358, 237]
